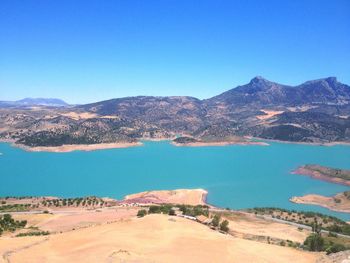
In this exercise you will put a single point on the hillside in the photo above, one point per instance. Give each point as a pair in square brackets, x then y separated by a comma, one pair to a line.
[139, 229]
[316, 111]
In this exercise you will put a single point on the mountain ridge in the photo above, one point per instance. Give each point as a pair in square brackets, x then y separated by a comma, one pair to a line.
[257, 81]
[314, 111]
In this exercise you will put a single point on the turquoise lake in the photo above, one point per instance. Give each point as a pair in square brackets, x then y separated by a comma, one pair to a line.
[235, 176]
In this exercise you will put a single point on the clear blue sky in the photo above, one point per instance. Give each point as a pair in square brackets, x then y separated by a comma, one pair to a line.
[84, 51]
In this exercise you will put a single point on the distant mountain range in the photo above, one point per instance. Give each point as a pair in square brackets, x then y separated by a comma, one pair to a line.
[315, 111]
[34, 102]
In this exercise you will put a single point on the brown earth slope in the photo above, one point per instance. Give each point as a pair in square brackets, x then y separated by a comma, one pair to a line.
[154, 238]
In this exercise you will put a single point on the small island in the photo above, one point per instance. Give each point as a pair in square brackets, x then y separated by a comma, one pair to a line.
[334, 175]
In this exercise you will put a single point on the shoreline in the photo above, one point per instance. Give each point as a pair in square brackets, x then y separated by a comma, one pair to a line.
[203, 144]
[191, 197]
[102, 146]
[77, 147]
[197, 196]
[328, 144]
[318, 176]
[157, 139]
[319, 200]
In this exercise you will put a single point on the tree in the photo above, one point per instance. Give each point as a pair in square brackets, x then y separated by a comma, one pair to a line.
[7, 218]
[141, 213]
[216, 220]
[224, 226]
[183, 209]
[316, 227]
[314, 242]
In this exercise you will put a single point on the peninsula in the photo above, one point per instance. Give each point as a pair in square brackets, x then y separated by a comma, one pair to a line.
[340, 202]
[334, 175]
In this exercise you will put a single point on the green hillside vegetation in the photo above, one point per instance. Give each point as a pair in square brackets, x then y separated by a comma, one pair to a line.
[319, 242]
[184, 140]
[7, 223]
[34, 233]
[15, 207]
[78, 201]
[185, 209]
[326, 222]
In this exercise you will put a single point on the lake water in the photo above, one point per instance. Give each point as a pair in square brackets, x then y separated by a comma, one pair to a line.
[235, 176]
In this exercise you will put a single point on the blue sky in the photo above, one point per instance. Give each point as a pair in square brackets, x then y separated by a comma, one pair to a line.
[84, 51]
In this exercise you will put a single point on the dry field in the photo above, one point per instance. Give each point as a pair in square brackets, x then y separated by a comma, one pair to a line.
[154, 238]
[245, 223]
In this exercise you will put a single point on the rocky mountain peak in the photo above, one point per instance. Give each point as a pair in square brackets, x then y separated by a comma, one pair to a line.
[259, 80]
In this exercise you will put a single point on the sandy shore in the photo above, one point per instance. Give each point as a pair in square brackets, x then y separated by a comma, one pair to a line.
[201, 144]
[338, 203]
[78, 147]
[317, 175]
[178, 196]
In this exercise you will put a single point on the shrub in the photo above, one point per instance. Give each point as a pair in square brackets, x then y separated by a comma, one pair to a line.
[334, 248]
[37, 233]
[314, 242]
[224, 226]
[216, 221]
[331, 234]
[7, 223]
[141, 213]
